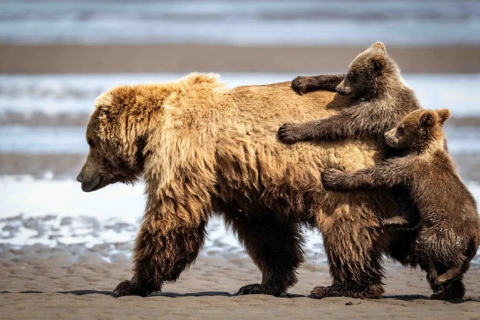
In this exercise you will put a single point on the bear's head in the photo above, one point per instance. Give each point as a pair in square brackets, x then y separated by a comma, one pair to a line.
[128, 127]
[116, 140]
[369, 74]
[419, 130]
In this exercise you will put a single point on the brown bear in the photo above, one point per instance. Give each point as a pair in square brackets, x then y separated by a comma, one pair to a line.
[379, 99]
[448, 233]
[204, 149]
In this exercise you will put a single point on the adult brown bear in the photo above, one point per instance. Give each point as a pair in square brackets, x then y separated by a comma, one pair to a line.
[204, 149]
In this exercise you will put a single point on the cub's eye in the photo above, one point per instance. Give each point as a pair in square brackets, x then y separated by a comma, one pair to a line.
[400, 131]
[90, 143]
[352, 76]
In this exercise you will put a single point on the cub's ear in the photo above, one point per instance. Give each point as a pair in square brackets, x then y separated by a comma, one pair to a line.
[443, 115]
[379, 62]
[427, 119]
[378, 46]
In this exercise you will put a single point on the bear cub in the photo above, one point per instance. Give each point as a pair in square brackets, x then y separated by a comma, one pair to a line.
[449, 229]
[379, 99]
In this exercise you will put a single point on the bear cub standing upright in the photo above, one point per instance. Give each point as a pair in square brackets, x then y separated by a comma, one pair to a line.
[449, 228]
[379, 100]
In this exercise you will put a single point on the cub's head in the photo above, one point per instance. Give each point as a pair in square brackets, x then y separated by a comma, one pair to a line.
[419, 130]
[116, 143]
[369, 73]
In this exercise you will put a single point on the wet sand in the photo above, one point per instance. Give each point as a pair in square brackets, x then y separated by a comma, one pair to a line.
[42, 284]
[34, 59]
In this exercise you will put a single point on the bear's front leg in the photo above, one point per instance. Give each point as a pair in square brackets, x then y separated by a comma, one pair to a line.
[161, 256]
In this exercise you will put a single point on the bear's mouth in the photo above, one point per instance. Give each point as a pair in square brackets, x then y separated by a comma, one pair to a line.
[92, 185]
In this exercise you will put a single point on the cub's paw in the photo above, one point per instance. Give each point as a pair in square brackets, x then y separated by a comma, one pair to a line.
[301, 84]
[290, 133]
[331, 179]
[129, 288]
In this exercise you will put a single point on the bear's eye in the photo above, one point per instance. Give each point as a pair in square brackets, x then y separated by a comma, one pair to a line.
[90, 143]
[400, 131]
[352, 76]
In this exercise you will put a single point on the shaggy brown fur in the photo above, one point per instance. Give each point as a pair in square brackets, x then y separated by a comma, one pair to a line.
[449, 231]
[204, 149]
[379, 99]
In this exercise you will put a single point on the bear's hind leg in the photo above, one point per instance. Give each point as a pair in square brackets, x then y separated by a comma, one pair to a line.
[354, 252]
[274, 246]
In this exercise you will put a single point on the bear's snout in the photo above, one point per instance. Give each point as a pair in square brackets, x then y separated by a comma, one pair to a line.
[341, 91]
[80, 177]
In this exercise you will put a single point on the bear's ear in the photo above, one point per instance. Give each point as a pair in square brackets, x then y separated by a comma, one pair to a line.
[443, 115]
[378, 46]
[379, 62]
[104, 101]
[427, 119]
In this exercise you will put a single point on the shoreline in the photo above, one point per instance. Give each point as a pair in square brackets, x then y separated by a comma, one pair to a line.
[184, 58]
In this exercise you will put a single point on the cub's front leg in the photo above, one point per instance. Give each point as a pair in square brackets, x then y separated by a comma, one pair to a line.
[334, 128]
[290, 133]
[328, 82]
[389, 173]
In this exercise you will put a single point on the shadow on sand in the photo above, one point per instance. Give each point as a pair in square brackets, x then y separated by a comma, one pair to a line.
[407, 298]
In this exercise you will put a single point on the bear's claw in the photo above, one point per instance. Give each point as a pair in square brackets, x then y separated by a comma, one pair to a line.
[128, 288]
[319, 293]
[250, 289]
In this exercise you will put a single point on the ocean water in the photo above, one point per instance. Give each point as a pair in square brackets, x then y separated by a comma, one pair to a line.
[51, 210]
[241, 22]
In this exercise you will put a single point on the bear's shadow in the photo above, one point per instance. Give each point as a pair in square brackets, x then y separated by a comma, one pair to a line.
[407, 298]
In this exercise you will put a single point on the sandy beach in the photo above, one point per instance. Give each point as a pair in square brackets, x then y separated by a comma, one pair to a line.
[34, 59]
[57, 283]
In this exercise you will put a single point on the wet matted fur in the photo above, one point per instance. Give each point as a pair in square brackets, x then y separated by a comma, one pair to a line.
[204, 149]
